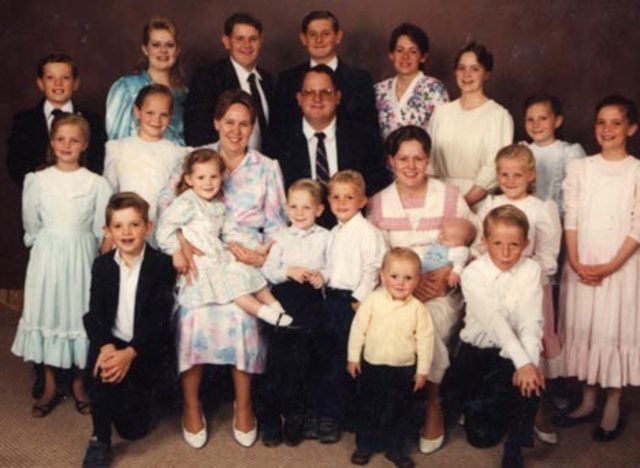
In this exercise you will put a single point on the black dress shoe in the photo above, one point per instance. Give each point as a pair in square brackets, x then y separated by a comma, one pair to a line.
[602, 435]
[400, 460]
[310, 429]
[98, 455]
[360, 457]
[328, 432]
[564, 420]
[271, 435]
[293, 429]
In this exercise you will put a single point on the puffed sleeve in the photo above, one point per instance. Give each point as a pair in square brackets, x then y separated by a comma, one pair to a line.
[274, 200]
[571, 189]
[634, 231]
[180, 212]
[547, 236]
[119, 118]
[31, 220]
[103, 193]
[112, 150]
[499, 134]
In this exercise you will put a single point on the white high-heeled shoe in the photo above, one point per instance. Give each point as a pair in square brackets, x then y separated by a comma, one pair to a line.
[550, 438]
[431, 445]
[246, 439]
[198, 439]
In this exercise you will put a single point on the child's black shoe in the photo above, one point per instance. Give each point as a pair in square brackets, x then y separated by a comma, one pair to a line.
[360, 457]
[271, 435]
[400, 460]
[98, 455]
[328, 432]
[310, 429]
[293, 429]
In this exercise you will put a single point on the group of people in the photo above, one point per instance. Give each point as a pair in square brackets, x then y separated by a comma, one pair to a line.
[253, 238]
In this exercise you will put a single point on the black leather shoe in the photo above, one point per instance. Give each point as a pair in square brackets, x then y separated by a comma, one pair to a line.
[360, 457]
[271, 435]
[400, 460]
[310, 429]
[292, 431]
[328, 432]
[602, 435]
[98, 455]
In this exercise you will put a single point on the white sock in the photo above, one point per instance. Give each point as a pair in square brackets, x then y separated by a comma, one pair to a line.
[277, 306]
[270, 315]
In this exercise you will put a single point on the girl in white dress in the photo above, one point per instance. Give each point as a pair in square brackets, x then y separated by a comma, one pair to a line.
[600, 297]
[63, 209]
[143, 163]
[516, 174]
[199, 214]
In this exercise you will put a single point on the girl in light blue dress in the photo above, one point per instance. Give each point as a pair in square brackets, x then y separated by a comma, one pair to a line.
[159, 65]
[63, 209]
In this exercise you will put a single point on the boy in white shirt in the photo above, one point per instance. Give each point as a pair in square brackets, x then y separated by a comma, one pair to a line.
[395, 331]
[355, 252]
[496, 369]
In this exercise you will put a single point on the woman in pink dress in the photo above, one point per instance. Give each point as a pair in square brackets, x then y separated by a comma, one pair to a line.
[600, 303]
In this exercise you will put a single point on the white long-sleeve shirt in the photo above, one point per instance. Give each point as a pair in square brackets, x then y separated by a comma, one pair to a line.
[504, 309]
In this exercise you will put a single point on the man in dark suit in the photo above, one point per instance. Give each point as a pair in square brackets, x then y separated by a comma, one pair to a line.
[242, 39]
[321, 35]
[28, 142]
[322, 142]
[129, 310]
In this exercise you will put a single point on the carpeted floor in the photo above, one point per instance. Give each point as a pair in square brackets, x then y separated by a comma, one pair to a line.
[59, 439]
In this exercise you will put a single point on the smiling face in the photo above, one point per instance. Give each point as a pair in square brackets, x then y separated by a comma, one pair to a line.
[68, 143]
[514, 177]
[235, 129]
[321, 40]
[205, 179]
[470, 74]
[57, 83]
[612, 129]
[400, 277]
[346, 200]
[303, 209]
[505, 244]
[409, 165]
[318, 99]
[541, 123]
[128, 230]
[161, 50]
[406, 57]
[154, 116]
[244, 45]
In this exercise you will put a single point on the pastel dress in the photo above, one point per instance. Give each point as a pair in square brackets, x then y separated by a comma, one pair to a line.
[600, 325]
[144, 167]
[120, 120]
[208, 226]
[225, 334]
[545, 234]
[63, 215]
[415, 106]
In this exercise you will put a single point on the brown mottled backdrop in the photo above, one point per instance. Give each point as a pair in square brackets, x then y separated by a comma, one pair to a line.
[579, 50]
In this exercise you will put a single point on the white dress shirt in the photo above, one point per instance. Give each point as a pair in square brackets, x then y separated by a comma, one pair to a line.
[48, 109]
[297, 247]
[504, 309]
[243, 78]
[333, 63]
[330, 145]
[356, 249]
[129, 276]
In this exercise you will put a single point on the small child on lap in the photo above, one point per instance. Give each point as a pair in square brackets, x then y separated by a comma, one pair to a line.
[395, 331]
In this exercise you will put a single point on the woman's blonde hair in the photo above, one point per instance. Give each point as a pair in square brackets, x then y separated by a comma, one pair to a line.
[155, 24]
[199, 156]
[520, 152]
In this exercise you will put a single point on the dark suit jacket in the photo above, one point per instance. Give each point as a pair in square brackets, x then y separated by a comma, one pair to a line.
[356, 150]
[206, 85]
[153, 307]
[358, 103]
[29, 140]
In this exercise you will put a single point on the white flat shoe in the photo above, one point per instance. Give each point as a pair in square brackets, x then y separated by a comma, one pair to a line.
[550, 438]
[246, 439]
[198, 439]
[431, 445]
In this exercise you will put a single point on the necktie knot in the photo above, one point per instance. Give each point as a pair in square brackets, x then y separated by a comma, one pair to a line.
[57, 113]
[320, 136]
[252, 78]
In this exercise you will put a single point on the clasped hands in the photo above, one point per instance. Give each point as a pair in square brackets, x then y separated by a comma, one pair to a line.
[305, 275]
[113, 364]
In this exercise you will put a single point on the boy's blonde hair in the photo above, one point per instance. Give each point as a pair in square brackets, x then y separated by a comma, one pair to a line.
[349, 176]
[505, 214]
[124, 200]
[401, 253]
[520, 152]
[310, 186]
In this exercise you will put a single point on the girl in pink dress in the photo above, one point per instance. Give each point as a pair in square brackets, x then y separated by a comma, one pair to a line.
[600, 302]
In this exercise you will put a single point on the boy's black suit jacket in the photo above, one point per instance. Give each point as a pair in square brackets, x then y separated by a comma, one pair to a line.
[206, 86]
[153, 306]
[29, 140]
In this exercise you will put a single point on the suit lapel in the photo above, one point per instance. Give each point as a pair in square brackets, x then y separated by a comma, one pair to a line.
[343, 148]
[144, 285]
[230, 75]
